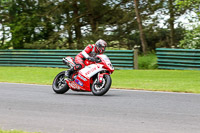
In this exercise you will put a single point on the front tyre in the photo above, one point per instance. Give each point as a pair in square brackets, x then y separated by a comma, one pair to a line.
[59, 85]
[99, 90]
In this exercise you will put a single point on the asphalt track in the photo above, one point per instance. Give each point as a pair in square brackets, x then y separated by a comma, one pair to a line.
[36, 108]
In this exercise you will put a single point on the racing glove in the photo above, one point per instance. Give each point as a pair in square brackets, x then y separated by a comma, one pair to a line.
[91, 59]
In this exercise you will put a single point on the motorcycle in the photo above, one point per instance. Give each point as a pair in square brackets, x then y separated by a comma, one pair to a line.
[94, 77]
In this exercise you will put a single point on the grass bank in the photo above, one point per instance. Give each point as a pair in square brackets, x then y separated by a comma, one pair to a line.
[157, 80]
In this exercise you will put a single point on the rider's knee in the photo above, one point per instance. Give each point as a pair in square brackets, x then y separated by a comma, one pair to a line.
[79, 66]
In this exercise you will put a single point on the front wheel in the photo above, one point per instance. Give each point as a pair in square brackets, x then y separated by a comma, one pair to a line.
[59, 85]
[99, 90]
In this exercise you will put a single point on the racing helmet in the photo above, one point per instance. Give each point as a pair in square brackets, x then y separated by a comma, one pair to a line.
[101, 46]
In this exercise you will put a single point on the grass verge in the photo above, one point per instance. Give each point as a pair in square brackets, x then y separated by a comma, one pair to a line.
[12, 131]
[156, 80]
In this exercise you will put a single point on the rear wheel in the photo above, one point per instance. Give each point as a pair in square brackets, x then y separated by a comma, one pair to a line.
[59, 85]
[101, 89]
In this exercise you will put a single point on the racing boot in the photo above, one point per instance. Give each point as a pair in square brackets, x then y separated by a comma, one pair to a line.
[69, 72]
[72, 70]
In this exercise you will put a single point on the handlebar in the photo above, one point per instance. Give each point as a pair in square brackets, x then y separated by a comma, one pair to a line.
[97, 60]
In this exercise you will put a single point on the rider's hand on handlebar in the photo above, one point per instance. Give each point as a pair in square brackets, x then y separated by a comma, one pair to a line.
[97, 60]
[91, 59]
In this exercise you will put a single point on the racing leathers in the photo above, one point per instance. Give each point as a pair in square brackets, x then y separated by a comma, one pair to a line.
[88, 53]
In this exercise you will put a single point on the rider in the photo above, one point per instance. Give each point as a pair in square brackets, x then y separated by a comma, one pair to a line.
[88, 53]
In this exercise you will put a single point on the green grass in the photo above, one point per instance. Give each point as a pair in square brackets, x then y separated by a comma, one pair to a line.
[30, 75]
[157, 80]
[12, 131]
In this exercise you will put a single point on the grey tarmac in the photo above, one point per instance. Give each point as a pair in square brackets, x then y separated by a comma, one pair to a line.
[36, 108]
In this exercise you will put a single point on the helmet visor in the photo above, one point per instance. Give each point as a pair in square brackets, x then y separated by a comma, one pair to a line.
[102, 49]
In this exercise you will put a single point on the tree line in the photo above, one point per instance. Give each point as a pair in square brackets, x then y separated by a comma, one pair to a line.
[73, 24]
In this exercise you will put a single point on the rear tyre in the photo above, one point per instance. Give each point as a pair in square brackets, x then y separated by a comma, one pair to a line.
[99, 90]
[59, 85]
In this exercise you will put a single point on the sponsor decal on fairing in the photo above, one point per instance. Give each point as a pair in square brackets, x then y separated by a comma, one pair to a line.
[81, 77]
[79, 82]
[74, 86]
[91, 70]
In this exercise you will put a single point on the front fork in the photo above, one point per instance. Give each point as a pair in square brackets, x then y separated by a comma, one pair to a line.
[100, 78]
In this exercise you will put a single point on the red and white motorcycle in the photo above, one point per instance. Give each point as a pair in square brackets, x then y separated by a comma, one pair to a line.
[94, 77]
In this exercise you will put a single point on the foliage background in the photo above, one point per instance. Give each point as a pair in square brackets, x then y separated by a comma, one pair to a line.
[73, 24]
[191, 39]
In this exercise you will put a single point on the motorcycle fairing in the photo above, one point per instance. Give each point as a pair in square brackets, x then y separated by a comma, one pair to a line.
[91, 70]
[107, 62]
[70, 61]
[79, 85]
[73, 85]
[82, 81]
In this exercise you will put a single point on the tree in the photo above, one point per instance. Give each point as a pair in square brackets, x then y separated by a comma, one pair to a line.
[191, 39]
[77, 24]
[4, 29]
[27, 23]
[171, 21]
[62, 24]
[142, 35]
[189, 4]
[173, 13]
